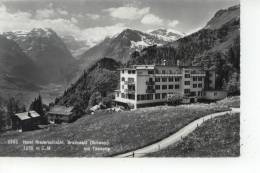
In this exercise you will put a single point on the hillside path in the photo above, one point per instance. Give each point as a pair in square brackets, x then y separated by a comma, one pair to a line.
[164, 143]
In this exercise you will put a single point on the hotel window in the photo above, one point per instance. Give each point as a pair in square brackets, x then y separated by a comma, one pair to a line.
[187, 75]
[164, 95]
[186, 91]
[123, 71]
[143, 97]
[130, 79]
[164, 79]
[163, 71]
[123, 79]
[123, 95]
[170, 86]
[157, 87]
[131, 96]
[157, 96]
[199, 85]
[129, 71]
[149, 96]
[177, 79]
[194, 85]
[157, 79]
[199, 78]
[170, 71]
[138, 97]
[187, 83]
[194, 78]
[193, 93]
[133, 71]
[150, 87]
[170, 79]
[177, 86]
[157, 71]
[164, 87]
[150, 72]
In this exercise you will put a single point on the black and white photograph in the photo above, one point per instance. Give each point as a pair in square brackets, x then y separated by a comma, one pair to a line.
[120, 78]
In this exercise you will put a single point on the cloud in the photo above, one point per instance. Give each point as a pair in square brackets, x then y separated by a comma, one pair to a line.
[45, 13]
[173, 23]
[24, 21]
[151, 19]
[97, 34]
[50, 12]
[130, 13]
[92, 16]
[62, 12]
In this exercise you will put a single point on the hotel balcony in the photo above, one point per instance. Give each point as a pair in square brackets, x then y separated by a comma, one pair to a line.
[169, 75]
[130, 91]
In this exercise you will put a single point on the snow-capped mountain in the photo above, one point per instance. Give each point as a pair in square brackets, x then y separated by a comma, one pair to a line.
[120, 46]
[167, 34]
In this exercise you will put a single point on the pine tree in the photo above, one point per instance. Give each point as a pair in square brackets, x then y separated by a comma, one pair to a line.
[37, 105]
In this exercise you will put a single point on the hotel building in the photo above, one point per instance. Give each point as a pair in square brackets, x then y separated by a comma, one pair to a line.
[143, 85]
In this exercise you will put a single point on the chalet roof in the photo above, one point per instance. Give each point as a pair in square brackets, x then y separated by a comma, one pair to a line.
[23, 116]
[61, 110]
[34, 114]
[27, 115]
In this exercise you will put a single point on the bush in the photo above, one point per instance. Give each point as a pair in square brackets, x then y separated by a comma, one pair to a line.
[174, 98]
[95, 99]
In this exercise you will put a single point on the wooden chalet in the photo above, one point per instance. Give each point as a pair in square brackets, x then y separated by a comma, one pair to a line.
[59, 114]
[26, 120]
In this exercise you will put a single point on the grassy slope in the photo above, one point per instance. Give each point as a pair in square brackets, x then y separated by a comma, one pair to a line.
[124, 131]
[218, 137]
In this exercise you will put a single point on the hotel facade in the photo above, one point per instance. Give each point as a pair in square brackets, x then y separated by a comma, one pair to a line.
[143, 85]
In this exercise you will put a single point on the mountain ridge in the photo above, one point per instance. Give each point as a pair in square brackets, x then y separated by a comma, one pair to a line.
[48, 52]
[120, 46]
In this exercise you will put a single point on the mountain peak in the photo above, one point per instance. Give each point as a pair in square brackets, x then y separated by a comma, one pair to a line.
[167, 34]
[42, 32]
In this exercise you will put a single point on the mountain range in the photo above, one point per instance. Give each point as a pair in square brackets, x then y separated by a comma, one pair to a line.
[48, 52]
[122, 45]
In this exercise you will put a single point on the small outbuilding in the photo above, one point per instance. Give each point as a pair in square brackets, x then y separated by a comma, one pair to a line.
[214, 95]
[59, 114]
[26, 120]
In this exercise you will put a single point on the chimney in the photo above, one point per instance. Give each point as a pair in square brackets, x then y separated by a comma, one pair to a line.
[164, 62]
[178, 63]
[29, 114]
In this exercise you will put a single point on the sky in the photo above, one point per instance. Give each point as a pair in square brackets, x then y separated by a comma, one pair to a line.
[93, 20]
